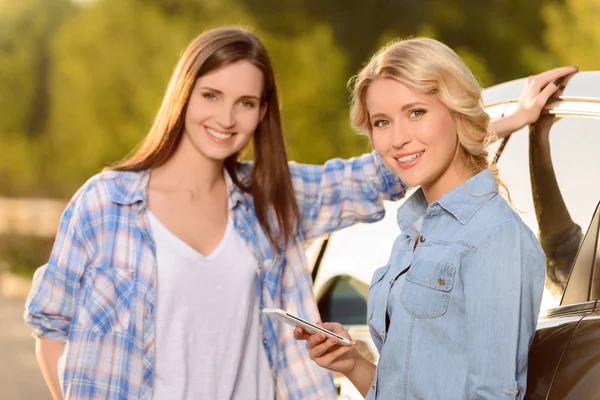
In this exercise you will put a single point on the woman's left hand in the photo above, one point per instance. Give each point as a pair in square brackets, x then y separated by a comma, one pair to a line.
[538, 90]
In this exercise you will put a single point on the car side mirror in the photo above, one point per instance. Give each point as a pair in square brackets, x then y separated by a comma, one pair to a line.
[583, 284]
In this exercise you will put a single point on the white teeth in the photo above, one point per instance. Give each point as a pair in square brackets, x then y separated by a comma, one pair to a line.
[409, 158]
[219, 135]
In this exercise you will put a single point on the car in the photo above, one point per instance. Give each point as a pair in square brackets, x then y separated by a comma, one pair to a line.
[564, 359]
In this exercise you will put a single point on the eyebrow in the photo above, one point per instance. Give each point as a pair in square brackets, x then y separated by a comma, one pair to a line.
[247, 96]
[405, 107]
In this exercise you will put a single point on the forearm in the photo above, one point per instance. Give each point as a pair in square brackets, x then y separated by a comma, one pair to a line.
[341, 193]
[48, 352]
[552, 214]
[505, 126]
[362, 375]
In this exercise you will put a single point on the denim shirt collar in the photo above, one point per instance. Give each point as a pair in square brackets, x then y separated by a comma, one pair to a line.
[462, 202]
[132, 187]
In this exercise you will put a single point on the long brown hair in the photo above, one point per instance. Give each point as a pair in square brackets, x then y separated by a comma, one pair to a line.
[269, 181]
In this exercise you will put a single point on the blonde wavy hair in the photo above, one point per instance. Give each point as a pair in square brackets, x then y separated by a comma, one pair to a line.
[430, 67]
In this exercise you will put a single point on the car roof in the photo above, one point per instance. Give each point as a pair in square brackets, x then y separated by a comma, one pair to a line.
[582, 85]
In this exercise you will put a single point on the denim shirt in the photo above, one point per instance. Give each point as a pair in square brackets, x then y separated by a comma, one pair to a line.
[461, 325]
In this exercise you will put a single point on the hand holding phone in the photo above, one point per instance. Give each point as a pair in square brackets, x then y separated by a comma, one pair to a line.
[309, 327]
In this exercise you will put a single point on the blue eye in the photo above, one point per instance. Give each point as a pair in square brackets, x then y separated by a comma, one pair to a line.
[417, 113]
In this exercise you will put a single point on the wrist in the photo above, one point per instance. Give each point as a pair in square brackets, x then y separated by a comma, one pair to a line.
[360, 363]
[509, 124]
[518, 120]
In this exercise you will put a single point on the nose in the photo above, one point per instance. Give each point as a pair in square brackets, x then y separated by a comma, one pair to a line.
[401, 136]
[226, 117]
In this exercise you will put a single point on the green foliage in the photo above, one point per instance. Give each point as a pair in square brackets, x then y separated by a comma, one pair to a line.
[24, 254]
[81, 80]
[575, 35]
[80, 85]
[26, 28]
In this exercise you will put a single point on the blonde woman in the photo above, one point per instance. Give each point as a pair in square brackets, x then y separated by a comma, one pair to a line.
[454, 311]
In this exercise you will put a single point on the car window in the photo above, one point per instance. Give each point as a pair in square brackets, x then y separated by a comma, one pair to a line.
[574, 148]
[345, 301]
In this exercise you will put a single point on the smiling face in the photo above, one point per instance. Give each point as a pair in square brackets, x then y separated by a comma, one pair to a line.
[224, 110]
[415, 136]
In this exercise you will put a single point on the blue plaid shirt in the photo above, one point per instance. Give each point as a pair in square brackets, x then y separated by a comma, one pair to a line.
[97, 292]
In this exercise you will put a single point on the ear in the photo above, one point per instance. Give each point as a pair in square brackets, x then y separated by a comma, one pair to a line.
[263, 110]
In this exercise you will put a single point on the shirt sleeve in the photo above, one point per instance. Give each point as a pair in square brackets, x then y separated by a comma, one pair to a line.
[55, 287]
[504, 284]
[342, 192]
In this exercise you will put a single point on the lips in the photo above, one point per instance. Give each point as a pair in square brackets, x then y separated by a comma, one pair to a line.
[410, 157]
[406, 161]
[218, 136]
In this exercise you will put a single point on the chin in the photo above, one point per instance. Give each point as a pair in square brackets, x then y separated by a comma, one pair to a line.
[416, 179]
[218, 156]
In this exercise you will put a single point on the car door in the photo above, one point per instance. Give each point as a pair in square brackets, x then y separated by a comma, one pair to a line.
[563, 360]
[578, 374]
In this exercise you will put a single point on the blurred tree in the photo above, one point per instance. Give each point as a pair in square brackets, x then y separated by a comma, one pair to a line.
[26, 29]
[88, 98]
[500, 39]
[113, 60]
[574, 34]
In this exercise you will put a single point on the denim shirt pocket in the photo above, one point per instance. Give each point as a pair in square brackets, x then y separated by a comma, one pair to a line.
[426, 292]
[106, 303]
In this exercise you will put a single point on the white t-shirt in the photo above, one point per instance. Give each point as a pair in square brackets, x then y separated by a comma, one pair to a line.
[208, 331]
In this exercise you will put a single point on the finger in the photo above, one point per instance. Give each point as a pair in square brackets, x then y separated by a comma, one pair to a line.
[323, 348]
[540, 80]
[334, 354]
[301, 334]
[542, 98]
[315, 340]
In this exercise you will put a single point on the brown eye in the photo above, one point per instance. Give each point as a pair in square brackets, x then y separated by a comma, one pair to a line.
[381, 123]
[248, 104]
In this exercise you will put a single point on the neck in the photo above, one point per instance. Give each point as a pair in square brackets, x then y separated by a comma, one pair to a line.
[189, 170]
[455, 175]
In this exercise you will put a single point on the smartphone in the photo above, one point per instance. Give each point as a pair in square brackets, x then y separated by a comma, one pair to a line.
[307, 326]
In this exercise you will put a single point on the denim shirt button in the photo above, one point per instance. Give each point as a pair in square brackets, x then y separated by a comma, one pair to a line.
[441, 281]
[382, 335]
[421, 239]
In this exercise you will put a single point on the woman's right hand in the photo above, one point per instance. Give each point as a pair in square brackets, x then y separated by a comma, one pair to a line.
[326, 352]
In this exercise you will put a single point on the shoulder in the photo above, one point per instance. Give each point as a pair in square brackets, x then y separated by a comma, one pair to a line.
[501, 223]
[107, 189]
